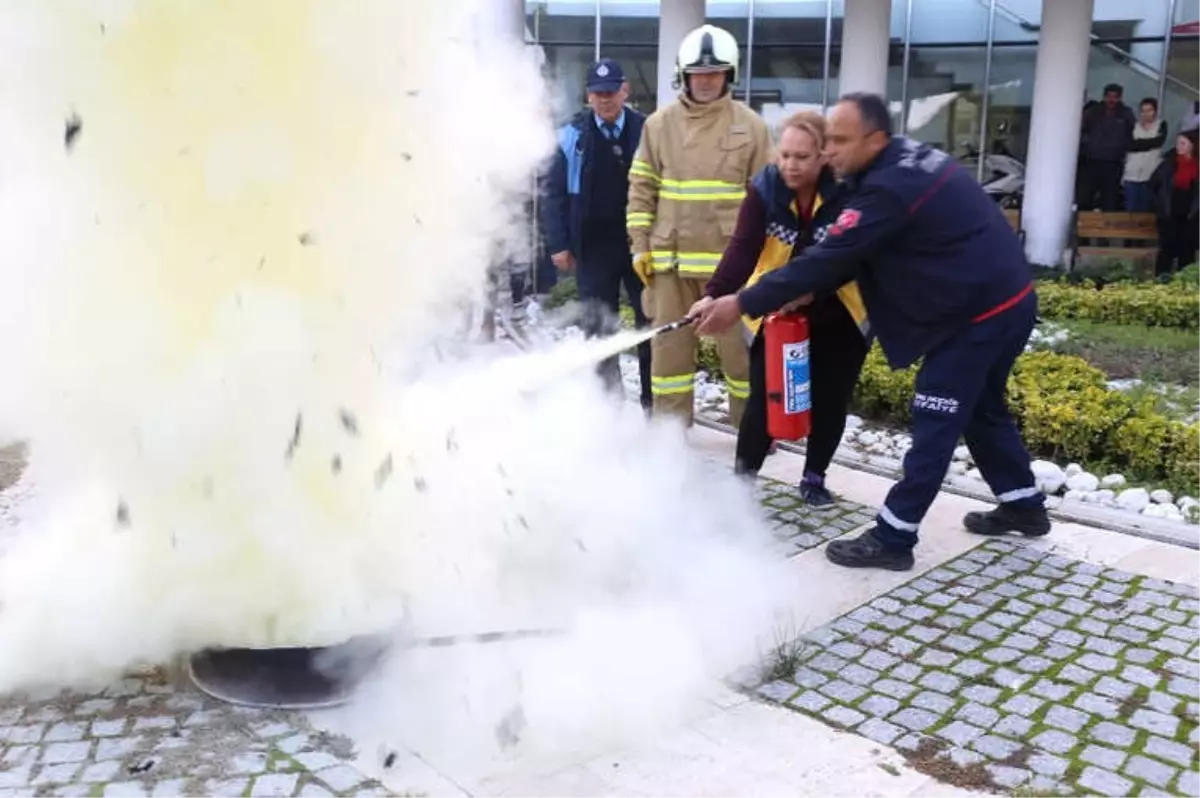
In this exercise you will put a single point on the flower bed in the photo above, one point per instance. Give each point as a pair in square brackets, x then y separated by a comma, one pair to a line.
[1172, 305]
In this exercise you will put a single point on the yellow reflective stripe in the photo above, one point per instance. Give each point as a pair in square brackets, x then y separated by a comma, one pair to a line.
[701, 190]
[685, 262]
[675, 384]
[642, 168]
[663, 260]
[738, 389]
[639, 219]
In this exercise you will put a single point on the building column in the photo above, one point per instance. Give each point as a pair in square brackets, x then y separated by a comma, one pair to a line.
[866, 34]
[1059, 79]
[676, 19]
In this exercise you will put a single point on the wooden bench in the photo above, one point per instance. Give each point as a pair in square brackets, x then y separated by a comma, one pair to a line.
[1117, 228]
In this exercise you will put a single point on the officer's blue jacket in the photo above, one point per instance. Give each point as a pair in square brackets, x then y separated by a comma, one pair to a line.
[931, 251]
[567, 188]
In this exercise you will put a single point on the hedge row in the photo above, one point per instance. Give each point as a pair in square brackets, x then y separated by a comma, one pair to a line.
[1171, 305]
[1065, 412]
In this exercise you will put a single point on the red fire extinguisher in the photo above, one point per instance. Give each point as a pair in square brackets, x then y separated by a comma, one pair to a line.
[789, 387]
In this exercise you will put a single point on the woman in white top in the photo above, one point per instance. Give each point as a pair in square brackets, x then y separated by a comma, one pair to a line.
[1144, 156]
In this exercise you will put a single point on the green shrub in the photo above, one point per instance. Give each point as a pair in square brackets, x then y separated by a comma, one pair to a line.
[564, 291]
[1173, 305]
[1064, 411]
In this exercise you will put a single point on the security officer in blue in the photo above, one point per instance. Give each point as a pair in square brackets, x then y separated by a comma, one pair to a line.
[944, 280]
[583, 211]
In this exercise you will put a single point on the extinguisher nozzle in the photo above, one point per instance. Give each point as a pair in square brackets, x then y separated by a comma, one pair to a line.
[675, 325]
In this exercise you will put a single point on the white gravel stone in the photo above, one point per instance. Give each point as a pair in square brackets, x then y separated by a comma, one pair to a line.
[1083, 481]
[1134, 499]
[957, 468]
[1113, 481]
[962, 453]
[1184, 502]
[1050, 478]
[1075, 496]
[853, 422]
[1074, 469]
[866, 438]
[1154, 511]
[975, 473]
[1106, 497]
[1162, 496]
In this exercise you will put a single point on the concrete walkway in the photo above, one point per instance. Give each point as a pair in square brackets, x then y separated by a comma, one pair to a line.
[1061, 666]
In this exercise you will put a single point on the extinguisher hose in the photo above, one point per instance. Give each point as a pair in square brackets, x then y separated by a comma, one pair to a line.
[675, 325]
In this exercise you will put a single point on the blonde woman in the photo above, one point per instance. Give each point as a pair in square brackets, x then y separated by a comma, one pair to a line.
[788, 206]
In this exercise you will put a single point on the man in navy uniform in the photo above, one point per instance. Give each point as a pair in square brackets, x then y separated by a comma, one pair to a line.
[944, 278]
[583, 213]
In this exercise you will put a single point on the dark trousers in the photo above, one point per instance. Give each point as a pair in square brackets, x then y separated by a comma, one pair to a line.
[836, 355]
[1178, 240]
[1100, 186]
[961, 390]
[605, 266]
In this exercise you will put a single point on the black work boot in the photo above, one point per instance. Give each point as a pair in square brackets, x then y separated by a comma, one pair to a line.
[1032, 522]
[868, 551]
[814, 493]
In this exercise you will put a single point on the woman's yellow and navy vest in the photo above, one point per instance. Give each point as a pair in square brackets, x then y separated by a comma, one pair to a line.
[786, 233]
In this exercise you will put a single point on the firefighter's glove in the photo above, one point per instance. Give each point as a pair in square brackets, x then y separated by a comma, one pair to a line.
[643, 267]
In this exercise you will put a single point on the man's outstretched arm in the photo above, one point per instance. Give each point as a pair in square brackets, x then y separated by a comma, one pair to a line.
[871, 218]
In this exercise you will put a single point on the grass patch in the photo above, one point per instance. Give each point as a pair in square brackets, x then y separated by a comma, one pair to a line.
[1125, 351]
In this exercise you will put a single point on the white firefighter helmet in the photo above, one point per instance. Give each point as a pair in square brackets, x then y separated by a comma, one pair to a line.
[707, 49]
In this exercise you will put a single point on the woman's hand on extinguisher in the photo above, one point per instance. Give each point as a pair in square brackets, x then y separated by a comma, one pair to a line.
[719, 316]
[796, 304]
[697, 310]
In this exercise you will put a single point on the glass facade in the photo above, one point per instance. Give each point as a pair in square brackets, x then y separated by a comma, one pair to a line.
[960, 72]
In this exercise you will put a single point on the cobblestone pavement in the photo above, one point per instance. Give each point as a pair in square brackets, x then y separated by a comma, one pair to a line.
[147, 736]
[1012, 668]
[801, 527]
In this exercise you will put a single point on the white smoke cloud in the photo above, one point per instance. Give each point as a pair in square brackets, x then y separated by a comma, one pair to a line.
[207, 302]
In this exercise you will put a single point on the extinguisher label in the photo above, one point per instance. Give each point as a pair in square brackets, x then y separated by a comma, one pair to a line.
[797, 387]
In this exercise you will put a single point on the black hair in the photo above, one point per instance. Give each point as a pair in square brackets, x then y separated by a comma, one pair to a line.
[1114, 87]
[873, 109]
[1150, 101]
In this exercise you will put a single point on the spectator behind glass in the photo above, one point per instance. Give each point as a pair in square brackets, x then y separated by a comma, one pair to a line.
[1174, 184]
[1145, 154]
[1107, 130]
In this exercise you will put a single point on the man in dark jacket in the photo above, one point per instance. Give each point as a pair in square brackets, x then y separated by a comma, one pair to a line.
[944, 278]
[583, 213]
[1107, 133]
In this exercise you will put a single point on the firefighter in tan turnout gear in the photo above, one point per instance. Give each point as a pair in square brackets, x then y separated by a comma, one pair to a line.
[686, 183]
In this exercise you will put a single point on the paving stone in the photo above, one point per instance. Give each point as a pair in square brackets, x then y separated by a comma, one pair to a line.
[1066, 718]
[1049, 766]
[1092, 627]
[57, 753]
[902, 646]
[274, 784]
[934, 702]
[960, 733]
[894, 688]
[124, 789]
[1169, 644]
[941, 682]
[1145, 622]
[978, 715]
[1022, 704]
[1170, 616]
[1067, 637]
[872, 637]
[1156, 773]
[810, 701]
[1188, 783]
[1051, 690]
[1183, 667]
[1097, 705]
[1161, 702]
[967, 609]
[917, 612]
[1098, 662]
[1004, 588]
[101, 771]
[780, 690]
[116, 748]
[961, 643]
[1103, 645]
[914, 719]
[1002, 655]
[1006, 776]
[926, 634]
[980, 693]
[1013, 726]
[1169, 751]
[1034, 665]
[843, 691]
[878, 705]
[1037, 629]
[57, 774]
[1107, 758]
[314, 790]
[843, 716]
[962, 757]
[1009, 680]
[970, 668]
[1104, 781]
[1053, 618]
[1077, 675]
[879, 730]
[1045, 600]
[1114, 688]
[806, 677]
[878, 660]
[1032, 582]
[1055, 741]
[847, 650]
[1154, 722]
[906, 671]
[995, 747]
[859, 675]
[1138, 675]
[1140, 656]
[1058, 652]
[317, 760]
[1112, 734]
[827, 663]
[950, 621]
[1076, 606]
[1124, 632]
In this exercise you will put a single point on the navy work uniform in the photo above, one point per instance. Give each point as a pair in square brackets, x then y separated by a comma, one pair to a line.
[944, 278]
[583, 212]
